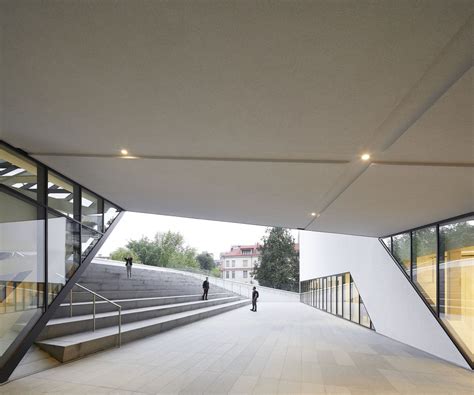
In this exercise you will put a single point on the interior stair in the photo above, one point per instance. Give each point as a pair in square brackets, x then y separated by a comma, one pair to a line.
[152, 301]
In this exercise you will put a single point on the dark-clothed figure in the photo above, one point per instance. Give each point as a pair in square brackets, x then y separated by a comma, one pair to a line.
[205, 288]
[254, 299]
[128, 265]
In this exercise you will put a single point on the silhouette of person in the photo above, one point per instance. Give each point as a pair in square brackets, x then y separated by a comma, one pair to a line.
[205, 288]
[128, 265]
[255, 296]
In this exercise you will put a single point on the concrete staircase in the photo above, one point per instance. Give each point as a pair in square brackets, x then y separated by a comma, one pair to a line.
[152, 301]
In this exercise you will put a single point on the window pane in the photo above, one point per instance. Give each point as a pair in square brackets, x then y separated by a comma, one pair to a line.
[60, 194]
[18, 173]
[324, 294]
[21, 269]
[354, 303]
[91, 211]
[89, 238]
[339, 295]
[364, 316]
[64, 252]
[110, 213]
[388, 242]
[333, 295]
[424, 263]
[346, 295]
[457, 281]
[401, 250]
[328, 294]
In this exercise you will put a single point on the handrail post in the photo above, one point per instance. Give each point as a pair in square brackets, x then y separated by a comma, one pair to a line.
[70, 303]
[120, 327]
[93, 312]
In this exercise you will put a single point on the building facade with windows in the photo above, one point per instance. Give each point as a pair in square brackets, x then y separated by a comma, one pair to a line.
[238, 264]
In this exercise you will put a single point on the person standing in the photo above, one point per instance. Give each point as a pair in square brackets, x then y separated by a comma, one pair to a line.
[255, 296]
[128, 265]
[205, 288]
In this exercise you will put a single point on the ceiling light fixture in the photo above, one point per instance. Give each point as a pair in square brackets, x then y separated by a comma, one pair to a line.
[365, 157]
[313, 214]
[124, 152]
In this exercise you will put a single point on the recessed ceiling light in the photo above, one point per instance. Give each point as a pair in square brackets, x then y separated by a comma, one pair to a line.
[313, 214]
[124, 152]
[365, 157]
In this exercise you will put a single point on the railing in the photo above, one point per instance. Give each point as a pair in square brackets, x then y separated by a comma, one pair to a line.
[94, 296]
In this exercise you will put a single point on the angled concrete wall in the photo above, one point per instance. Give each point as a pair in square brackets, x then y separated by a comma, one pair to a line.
[395, 308]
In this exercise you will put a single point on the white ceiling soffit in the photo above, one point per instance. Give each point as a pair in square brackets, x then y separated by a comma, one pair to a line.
[389, 199]
[254, 193]
[274, 95]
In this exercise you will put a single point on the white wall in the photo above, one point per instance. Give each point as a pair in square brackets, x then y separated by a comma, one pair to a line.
[393, 305]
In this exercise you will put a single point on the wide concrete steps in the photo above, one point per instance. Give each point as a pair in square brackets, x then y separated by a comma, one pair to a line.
[101, 306]
[70, 347]
[76, 324]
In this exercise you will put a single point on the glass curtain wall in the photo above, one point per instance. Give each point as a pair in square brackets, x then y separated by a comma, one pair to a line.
[43, 240]
[22, 268]
[456, 272]
[439, 260]
[337, 295]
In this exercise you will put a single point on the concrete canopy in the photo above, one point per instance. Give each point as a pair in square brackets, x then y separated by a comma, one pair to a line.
[248, 111]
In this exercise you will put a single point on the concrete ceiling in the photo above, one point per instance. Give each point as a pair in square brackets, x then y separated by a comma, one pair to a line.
[250, 112]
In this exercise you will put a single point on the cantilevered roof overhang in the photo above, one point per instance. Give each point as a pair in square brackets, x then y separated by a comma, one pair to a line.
[250, 112]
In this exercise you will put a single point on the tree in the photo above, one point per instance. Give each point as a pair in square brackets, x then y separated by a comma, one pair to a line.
[121, 253]
[206, 261]
[165, 249]
[279, 261]
[147, 250]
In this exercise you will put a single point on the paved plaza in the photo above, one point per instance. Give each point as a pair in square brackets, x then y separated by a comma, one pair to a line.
[286, 348]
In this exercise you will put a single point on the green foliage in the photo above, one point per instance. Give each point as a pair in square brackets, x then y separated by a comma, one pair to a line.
[121, 253]
[165, 249]
[279, 261]
[206, 261]
[216, 272]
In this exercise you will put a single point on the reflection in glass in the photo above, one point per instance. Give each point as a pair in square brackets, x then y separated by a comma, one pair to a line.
[21, 269]
[364, 316]
[333, 294]
[347, 297]
[89, 239]
[354, 303]
[388, 242]
[424, 263]
[324, 293]
[110, 213]
[339, 295]
[18, 173]
[91, 211]
[64, 252]
[60, 194]
[456, 308]
[401, 250]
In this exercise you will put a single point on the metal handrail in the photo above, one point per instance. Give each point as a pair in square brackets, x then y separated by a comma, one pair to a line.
[94, 295]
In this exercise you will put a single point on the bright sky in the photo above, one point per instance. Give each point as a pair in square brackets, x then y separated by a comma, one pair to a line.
[211, 236]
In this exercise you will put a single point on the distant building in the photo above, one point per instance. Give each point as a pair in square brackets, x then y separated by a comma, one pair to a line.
[238, 264]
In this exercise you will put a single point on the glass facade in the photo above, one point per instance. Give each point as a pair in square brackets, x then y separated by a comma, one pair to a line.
[60, 194]
[48, 226]
[21, 270]
[439, 261]
[337, 295]
[18, 172]
[424, 246]
[401, 250]
[456, 272]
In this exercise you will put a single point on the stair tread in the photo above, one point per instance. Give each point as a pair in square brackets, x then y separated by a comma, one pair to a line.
[139, 299]
[69, 340]
[85, 317]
